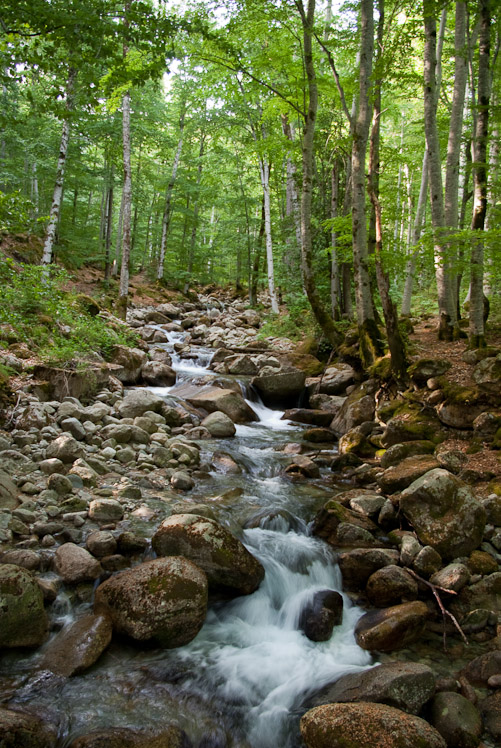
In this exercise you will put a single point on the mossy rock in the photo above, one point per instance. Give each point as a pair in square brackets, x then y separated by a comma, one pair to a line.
[306, 362]
[381, 369]
[411, 422]
[426, 368]
[23, 621]
[87, 304]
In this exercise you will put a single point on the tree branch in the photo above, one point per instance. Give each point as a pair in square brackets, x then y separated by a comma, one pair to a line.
[336, 78]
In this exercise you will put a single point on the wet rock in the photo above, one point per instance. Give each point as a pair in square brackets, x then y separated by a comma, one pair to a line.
[224, 463]
[366, 725]
[444, 513]
[427, 561]
[491, 713]
[121, 737]
[242, 366]
[319, 435]
[391, 585]
[483, 594]
[398, 477]
[280, 388]
[181, 481]
[228, 564]
[130, 361]
[138, 402]
[357, 566]
[392, 628]
[452, 577]
[355, 442]
[481, 562]
[306, 415]
[164, 600]
[456, 719]
[482, 668]
[403, 685]
[105, 510]
[65, 448]
[75, 564]
[22, 730]
[101, 543]
[304, 466]
[78, 646]
[214, 399]
[318, 619]
[351, 536]
[332, 514]
[23, 557]
[219, 425]
[23, 621]
[368, 505]
[158, 374]
[130, 544]
[74, 427]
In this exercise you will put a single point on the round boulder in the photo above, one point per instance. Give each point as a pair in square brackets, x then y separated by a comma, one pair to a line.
[324, 612]
[456, 719]
[226, 561]
[392, 628]
[164, 600]
[75, 564]
[219, 425]
[138, 402]
[391, 585]
[366, 725]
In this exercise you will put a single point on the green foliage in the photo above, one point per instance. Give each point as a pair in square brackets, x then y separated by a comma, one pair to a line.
[296, 324]
[16, 212]
[54, 323]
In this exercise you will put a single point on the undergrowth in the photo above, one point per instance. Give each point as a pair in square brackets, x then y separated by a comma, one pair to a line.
[58, 328]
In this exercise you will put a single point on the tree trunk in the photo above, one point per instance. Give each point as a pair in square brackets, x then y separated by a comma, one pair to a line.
[476, 331]
[127, 210]
[61, 164]
[335, 270]
[370, 346]
[191, 253]
[445, 306]
[292, 210]
[264, 171]
[410, 268]
[321, 315]
[109, 228]
[168, 196]
[118, 245]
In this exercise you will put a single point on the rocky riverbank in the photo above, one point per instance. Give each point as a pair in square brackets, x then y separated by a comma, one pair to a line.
[94, 466]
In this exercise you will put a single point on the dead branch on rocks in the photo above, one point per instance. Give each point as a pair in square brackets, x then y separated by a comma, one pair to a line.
[445, 613]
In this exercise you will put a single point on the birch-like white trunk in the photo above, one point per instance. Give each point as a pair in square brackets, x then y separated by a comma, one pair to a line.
[410, 269]
[57, 195]
[264, 172]
[127, 206]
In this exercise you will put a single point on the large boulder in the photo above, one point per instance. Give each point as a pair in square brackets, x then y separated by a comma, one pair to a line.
[125, 737]
[358, 408]
[8, 492]
[366, 725]
[444, 513]
[158, 374]
[23, 621]
[23, 730]
[391, 585]
[282, 388]
[358, 565]
[428, 368]
[64, 448]
[487, 375]
[335, 380]
[456, 719]
[74, 564]
[130, 361]
[404, 685]
[226, 561]
[164, 600]
[78, 646]
[410, 422]
[138, 402]
[211, 399]
[392, 628]
[219, 425]
[398, 477]
[332, 514]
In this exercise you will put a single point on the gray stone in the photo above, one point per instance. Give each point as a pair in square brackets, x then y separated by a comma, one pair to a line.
[23, 621]
[75, 564]
[456, 719]
[78, 646]
[105, 510]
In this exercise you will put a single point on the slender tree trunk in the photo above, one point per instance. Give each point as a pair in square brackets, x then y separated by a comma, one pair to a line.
[321, 315]
[168, 196]
[410, 269]
[476, 331]
[118, 244]
[109, 228]
[191, 254]
[335, 270]
[494, 153]
[292, 210]
[61, 164]
[34, 190]
[257, 254]
[264, 171]
[126, 214]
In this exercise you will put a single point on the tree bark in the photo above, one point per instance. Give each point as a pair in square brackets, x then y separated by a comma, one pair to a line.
[168, 196]
[196, 208]
[410, 268]
[476, 331]
[321, 315]
[264, 171]
[127, 209]
[61, 164]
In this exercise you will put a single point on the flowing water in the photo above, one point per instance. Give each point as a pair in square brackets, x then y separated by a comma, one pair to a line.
[244, 679]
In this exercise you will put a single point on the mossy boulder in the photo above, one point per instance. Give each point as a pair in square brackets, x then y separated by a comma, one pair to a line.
[410, 422]
[87, 304]
[444, 513]
[426, 368]
[456, 719]
[226, 561]
[398, 477]
[332, 514]
[366, 725]
[487, 375]
[164, 600]
[398, 452]
[23, 621]
[392, 628]
[358, 407]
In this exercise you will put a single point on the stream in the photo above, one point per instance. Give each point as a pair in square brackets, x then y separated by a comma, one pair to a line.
[243, 680]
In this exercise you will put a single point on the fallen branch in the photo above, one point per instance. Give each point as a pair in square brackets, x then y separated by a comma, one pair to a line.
[435, 589]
